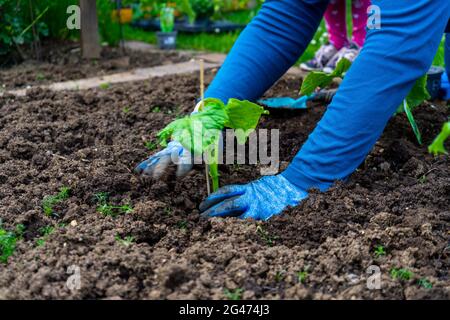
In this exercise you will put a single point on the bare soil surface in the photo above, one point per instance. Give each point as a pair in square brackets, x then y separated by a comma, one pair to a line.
[63, 62]
[89, 141]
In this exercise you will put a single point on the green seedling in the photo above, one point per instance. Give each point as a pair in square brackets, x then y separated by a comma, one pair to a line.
[127, 241]
[150, 145]
[156, 109]
[183, 225]
[168, 211]
[379, 251]
[105, 85]
[40, 77]
[114, 211]
[235, 294]
[200, 132]
[45, 233]
[401, 274]
[8, 242]
[279, 276]
[49, 202]
[437, 147]
[105, 208]
[302, 276]
[126, 110]
[269, 239]
[167, 19]
[425, 283]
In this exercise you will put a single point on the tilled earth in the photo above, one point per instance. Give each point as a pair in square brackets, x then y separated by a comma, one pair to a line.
[63, 62]
[89, 141]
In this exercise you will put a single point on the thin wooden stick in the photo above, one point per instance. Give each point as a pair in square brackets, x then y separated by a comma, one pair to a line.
[202, 104]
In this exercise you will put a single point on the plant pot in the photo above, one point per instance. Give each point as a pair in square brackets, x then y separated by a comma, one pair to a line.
[167, 40]
[434, 81]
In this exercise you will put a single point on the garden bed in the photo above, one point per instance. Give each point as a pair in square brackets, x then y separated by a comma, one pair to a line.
[90, 141]
[63, 62]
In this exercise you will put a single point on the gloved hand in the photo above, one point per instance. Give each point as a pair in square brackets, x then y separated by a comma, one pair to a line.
[259, 200]
[157, 164]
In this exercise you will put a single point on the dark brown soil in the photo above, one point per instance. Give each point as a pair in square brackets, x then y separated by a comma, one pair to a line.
[90, 141]
[63, 62]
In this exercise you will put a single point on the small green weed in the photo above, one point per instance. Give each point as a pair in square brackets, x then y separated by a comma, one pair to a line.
[401, 274]
[379, 251]
[127, 241]
[8, 240]
[50, 201]
[269, 239]
[235, 294]
[105, 208]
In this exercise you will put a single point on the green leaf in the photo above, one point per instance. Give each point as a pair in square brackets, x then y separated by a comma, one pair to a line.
[243, 116]
[412, 121]
[318, 79]
[341, 68]
[419, 93]
[197, 131]
[437, 147]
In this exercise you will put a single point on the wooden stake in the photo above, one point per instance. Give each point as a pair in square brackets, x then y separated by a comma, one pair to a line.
[202, 104]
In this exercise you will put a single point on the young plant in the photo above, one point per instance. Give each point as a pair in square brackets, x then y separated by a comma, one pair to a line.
[8, 240]
[200, 132]
[425, 283]
[105, 85]
[401, 274]
[235, 294]
[150, 145]
[269, 239]
[379, 251]
[319, 79]
[437, 147]
[302, 275]
[45, 232]
[105, 208]
[127, 241]
[49, 202]
[167, 20]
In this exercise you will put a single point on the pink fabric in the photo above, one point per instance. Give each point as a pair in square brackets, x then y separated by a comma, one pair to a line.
[335, 19]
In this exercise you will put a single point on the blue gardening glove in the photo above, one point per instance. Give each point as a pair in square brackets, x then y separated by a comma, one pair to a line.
[157, 164]
[259, 200]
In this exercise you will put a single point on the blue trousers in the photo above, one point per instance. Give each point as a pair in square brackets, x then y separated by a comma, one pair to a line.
[393, 58]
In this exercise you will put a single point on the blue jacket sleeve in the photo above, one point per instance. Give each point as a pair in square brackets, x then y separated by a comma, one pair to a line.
[267, 48]
[447, 54]
[393, 57]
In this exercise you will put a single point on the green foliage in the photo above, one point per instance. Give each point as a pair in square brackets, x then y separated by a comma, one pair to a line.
[150, 145]
[437, 147]
[8, 240]
[318, 79]
[105, 208]
[425, 283]
[105, 85]
[401, 274]
[200, 132]
[50, 201]
[265, 236]
[167, 19]
[108, 28]
[45, 232]
[379, 251]
[235, 294]
[127, 241]
[302, 276]
[202, 8]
